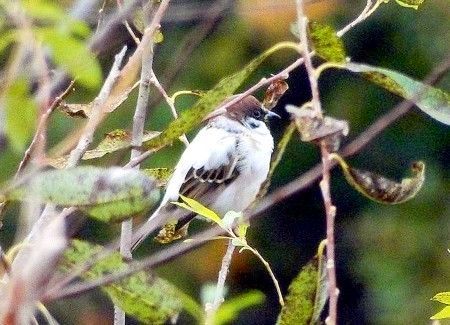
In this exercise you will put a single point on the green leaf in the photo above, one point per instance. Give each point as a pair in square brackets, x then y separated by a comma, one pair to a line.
[231, 308]
[200, 209]
[299, 303]
[381, 189]
[410, 3]
[143, 296]
[43, 10]
[21, 114]
[6, 39]
[109, 195]
[326, 43]
[160, 175]
[209, 101]
[114, 141]
[158, 36]
[72, 55]
[241, 230]
[433, 101]
[444, 313]
[443, 297]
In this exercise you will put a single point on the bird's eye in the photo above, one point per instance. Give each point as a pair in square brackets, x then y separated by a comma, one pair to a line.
[257, 114]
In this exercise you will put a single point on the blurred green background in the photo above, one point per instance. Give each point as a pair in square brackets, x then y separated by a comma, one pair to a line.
[390, 259]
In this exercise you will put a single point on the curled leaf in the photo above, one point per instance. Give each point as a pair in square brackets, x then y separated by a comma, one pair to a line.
[170, 232]
[381, 189]
[109, 195]
[274, 92]
[84, 110]
[433, 101]
[145, 297]
[315, 129]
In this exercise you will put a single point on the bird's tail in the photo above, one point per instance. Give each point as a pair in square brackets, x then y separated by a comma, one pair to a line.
[147, 228]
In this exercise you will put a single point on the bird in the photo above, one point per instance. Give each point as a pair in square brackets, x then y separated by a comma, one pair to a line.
[222, 168]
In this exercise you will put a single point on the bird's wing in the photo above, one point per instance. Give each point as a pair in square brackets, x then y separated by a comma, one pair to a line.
[208, 164]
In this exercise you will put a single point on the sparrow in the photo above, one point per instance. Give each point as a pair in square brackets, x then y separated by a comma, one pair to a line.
[222, 168]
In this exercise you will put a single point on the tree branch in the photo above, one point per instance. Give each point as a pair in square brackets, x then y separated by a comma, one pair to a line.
[211, 309]
[284, 192]
[138, 128]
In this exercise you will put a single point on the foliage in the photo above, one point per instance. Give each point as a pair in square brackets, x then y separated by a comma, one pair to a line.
[37, 34]
[307, 294]
[210, 100]
[148, 298]
[435, 102]
[442, 297]
[114, 141]
[381, 189]
[109, 195]
[20, 112]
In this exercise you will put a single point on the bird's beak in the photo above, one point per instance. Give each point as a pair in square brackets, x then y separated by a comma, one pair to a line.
[270, 114]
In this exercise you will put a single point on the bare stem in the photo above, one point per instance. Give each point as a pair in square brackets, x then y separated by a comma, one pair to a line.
[368, 10]
[211, 309]
[302, 182]
[330, 209]
[140, 113]
[41, 128]
[97, 112]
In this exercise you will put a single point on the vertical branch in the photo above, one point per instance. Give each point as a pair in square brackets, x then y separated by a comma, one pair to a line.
[211, 309]
[330, 209]
[146, 79]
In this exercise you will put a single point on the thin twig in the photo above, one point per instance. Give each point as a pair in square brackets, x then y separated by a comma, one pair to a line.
[170, 102]
[367, 11]
[127, 25]
[97, 112]
[40, 128]
[302, 182]
[219, 295]
[330, 209]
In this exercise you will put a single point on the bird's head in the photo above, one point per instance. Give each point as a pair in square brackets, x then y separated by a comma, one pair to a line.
[248, 111]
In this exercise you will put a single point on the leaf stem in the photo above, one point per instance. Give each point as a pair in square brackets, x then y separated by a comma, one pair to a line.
[64, 289]
[269, 269]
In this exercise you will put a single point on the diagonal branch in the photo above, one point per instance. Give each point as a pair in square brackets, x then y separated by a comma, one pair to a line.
[301, 183]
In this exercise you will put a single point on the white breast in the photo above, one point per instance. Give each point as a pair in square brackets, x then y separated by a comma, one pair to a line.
[256, 149]
[213, 146]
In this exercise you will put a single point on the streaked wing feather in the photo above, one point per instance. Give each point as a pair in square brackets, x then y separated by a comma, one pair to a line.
[200, 181]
